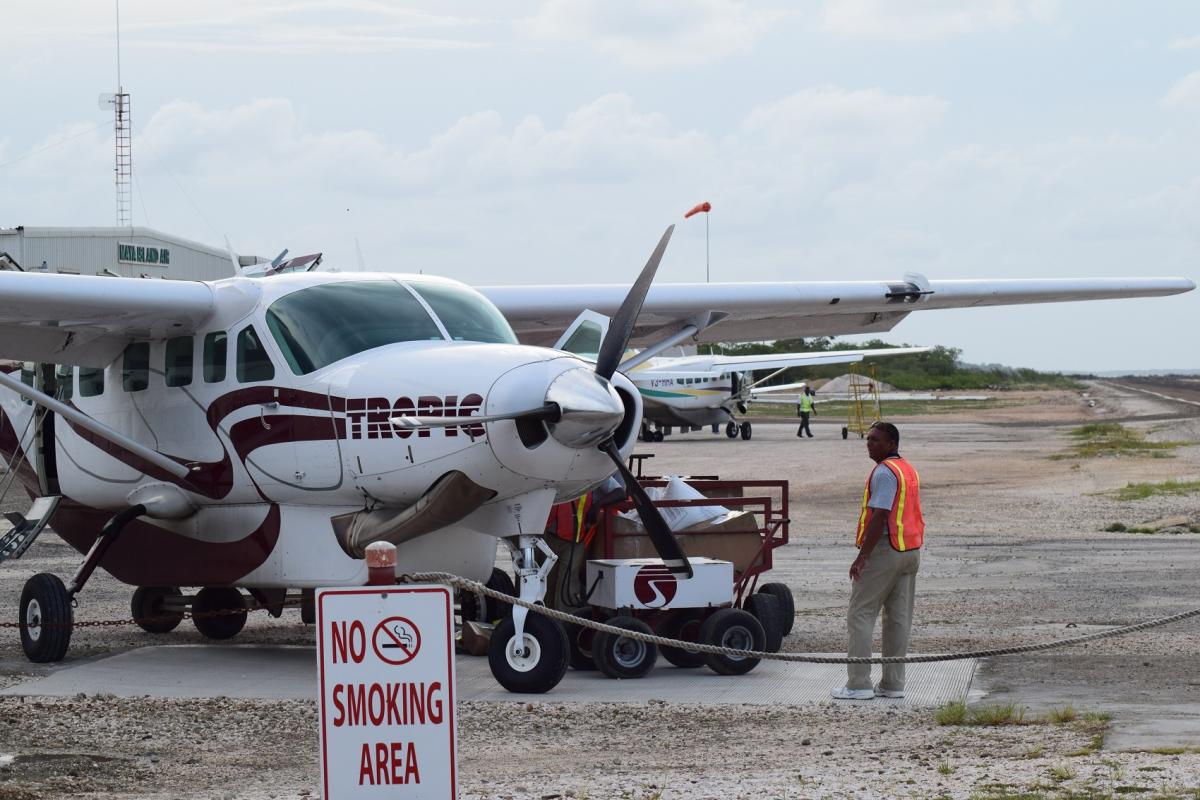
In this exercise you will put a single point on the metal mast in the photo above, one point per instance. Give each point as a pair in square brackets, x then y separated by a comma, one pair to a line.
[121, 126]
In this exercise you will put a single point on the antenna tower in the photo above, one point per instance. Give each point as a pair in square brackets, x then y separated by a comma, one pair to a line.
[124, 167]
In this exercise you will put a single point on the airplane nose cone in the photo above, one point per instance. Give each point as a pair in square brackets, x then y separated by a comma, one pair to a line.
[590, 408]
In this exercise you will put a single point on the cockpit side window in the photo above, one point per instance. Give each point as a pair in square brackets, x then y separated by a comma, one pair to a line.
[253, 362]
[135, 367]
[585, 340]
[467, 316]
[216, 350]
[322, 324]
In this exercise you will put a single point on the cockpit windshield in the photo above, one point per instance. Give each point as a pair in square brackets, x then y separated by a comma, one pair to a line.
[317, 326]
[467, 316]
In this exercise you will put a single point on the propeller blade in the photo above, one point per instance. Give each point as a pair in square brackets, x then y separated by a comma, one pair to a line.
[621, 328]
[661, 537]
[549, 411]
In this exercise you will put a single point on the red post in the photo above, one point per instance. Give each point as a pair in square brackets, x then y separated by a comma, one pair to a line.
[381, 564]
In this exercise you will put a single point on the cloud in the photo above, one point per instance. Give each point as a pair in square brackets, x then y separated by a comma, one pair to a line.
[1184, 43]
[1184, 94]
[919, 20]
[653, 33]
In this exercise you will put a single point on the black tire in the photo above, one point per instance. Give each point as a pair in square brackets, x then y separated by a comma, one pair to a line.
[146, 607]
[731, 430]
[786, 600]
[685, 627]
[533, 671]
[767, 609]
[734, 628]
[499, 581]
[658, 436]
[716, 427]
[308, 606]
[579, 642]
[746, 430]
[47, 619]
[845, 433]
[219, 598]
[621, 656]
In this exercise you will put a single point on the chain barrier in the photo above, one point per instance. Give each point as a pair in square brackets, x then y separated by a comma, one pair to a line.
[177, 616]
[798, 658]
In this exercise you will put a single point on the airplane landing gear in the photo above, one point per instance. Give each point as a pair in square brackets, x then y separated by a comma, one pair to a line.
[219, 598]
[745, 428]
[149, 610]
[731, 430]
[47, 619]
[529, 653]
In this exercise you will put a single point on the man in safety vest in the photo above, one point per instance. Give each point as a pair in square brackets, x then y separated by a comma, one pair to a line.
[890, 533]
[804, 408]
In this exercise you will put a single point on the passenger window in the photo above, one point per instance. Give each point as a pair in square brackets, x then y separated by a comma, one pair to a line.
[91, 381]
[64, 376]
[177, 366]
[216, 348]
[135, 367]
[253, 363]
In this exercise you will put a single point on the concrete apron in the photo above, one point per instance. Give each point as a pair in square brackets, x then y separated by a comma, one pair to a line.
[286, 672]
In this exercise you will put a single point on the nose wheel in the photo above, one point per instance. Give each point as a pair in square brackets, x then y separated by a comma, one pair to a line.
[535, 661]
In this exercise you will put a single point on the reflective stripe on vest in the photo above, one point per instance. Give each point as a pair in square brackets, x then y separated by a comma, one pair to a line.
[906, 525]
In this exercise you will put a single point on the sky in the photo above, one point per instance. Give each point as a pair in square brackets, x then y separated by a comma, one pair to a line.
[553, 141]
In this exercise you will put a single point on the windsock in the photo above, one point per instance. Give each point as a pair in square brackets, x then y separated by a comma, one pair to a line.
[705, 207]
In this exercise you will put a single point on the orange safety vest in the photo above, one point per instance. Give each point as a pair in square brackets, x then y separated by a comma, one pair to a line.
[905, 524]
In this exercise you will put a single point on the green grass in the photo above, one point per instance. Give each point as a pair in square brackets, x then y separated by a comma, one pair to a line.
[1113, 439]
[945, 769]
[957, 713]
[1062, 714]
[1140, 491]
[839, 410]
[1061, 773]
[952, 713]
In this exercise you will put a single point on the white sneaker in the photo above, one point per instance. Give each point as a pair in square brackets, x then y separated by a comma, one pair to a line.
[893, 693]
[844, 693]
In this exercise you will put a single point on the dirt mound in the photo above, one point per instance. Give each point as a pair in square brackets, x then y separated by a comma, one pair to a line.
[841, 384]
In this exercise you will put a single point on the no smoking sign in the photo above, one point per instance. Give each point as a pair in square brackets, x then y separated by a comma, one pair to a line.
[386, 673]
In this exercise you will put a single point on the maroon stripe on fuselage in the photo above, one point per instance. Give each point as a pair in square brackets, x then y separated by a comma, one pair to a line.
[251, 434]
[147, 555]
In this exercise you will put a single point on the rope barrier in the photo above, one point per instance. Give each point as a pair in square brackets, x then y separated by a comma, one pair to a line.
[797, 658]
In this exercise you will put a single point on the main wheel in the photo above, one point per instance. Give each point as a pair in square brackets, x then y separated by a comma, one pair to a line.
[533, 665]
[481, 608]
[731, 430]
[845, 433]
[746, 430]
[685, 627]
[737, 630]
[46, 619]
[219, 598]
[658, 436]
[146, 606]
[767, 609]
[786, 600]
[621, 656]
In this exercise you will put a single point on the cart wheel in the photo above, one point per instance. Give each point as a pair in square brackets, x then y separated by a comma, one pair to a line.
[845, 433]
[768, 611]
[219, 598]
[731, 430]
[579, 642]
[746, 429]
[658, 436]
[686, 628]
[146, 606]
[621, 656]
[308, 606]
[534, 665]
[46, 618]
[786, 601]
[737, 630]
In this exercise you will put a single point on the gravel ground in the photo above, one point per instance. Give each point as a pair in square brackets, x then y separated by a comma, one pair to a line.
[1015, 553]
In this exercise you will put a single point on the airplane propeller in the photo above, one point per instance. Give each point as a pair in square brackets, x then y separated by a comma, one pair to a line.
[620, 330]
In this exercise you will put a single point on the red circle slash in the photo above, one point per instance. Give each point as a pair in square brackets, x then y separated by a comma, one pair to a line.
[396, 640]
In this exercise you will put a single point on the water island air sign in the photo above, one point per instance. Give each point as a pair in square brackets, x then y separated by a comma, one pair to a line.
[141, 254]
[386, 673]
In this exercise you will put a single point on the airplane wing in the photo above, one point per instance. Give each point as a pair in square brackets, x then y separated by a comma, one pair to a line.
[759, 311]
[712, 363]
[88, 320]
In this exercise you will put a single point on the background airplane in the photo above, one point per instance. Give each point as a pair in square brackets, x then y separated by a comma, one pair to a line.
[693, 391]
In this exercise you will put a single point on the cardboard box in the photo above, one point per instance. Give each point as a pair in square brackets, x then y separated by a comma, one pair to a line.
[732, 537]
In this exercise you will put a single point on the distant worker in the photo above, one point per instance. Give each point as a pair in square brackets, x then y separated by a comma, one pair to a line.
[884, 575]
[804, 408]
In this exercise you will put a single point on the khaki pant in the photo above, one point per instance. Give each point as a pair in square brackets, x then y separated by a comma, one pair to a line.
[888, 581]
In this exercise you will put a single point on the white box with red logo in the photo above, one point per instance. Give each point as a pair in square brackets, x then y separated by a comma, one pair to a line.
[647, 583]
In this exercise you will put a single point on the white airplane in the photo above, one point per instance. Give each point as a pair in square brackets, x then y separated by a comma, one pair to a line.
[259, 433]
[698, 390]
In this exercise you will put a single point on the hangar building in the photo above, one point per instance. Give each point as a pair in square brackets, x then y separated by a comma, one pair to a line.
[126, 252]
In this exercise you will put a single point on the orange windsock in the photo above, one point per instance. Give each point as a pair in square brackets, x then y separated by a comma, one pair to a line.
[705, 207]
